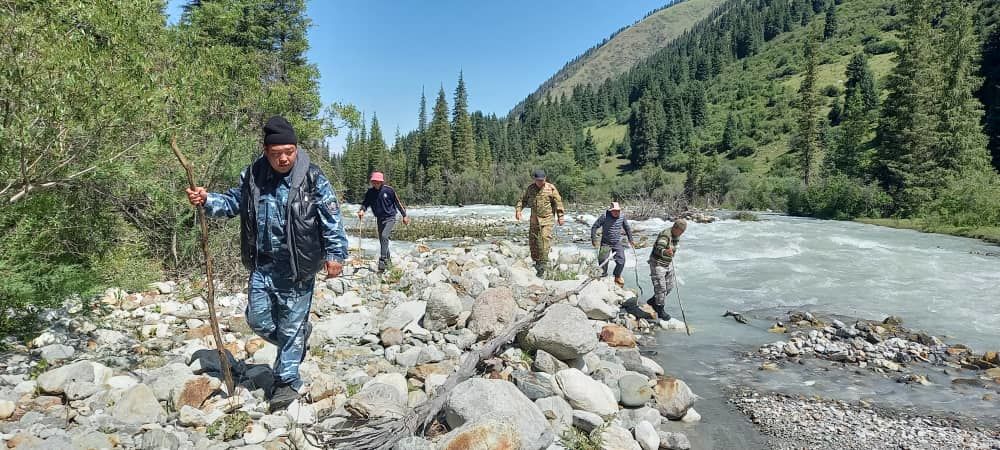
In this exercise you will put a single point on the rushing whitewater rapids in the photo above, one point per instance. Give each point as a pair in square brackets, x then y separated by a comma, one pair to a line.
[937, 284]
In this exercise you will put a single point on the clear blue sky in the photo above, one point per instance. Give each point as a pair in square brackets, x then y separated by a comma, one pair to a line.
[378, 54]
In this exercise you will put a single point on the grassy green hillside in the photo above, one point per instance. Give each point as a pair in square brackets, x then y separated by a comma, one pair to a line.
[630, 46]
[760, 91]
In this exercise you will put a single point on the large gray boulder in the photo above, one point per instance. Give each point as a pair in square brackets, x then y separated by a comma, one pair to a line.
[55, 380]
[138, 405]
[377, 400]
[558, 412]
[404, 314]
[563, 332]
[443, 307]
[492, 311]
[635, 389]
[353, 325]
[480, 398]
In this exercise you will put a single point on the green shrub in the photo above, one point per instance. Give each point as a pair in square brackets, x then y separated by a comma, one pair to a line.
[745, 216]
[882, 47]
[839, 198]
[969, 201]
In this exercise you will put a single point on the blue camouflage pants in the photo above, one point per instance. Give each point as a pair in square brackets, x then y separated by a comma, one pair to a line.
[278, 311]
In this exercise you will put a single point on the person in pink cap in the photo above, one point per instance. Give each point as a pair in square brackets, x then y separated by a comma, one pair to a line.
[612, 224]
[385, 204]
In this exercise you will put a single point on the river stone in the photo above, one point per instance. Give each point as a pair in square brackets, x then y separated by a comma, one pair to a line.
[7, 408]
[586, 421]
[159, 439]
[55, 380]
[443, 307]
[628, 418]
[564, 332]
[395, 380]
[691, 416]
[557, 411]
[56, 352]
[195, 391]
[617, 336]
[94, 439]
[353, 325]
[673, 397]
[412, 443]
[646, 435]
[595, 308]
[532, 385]
[391, 336]
[377, 400]
[79, 390]
[635, 389]
[477, 398]
[492, 311]
[544, 362]
[138, 405]
[674, 441]
[584, 392]
[191, 417]
[650, 366]
[618, 438]
[487, 433]
[404, 314]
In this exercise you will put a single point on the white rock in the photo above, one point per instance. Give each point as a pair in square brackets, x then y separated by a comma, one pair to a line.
[596, 308]
[348, 301]
[646, 435]
[352, 325]
[300, 413]
[443, 306]
[691, 416]
[651, 365]
[56, 352]
[563, 332]
[397, 381]
[165, 287]
[191, 417]
[255, 434]
[672, 324]
[480, 398]
[7, 408]
[266, 354]
[618, 438]
[404, 314]
[585, 393]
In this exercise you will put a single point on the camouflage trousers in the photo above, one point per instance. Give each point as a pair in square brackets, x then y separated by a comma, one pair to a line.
[540, 241]
[278, 312]
[663, 281]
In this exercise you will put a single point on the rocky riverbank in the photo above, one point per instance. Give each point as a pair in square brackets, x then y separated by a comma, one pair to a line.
[800, 423]
[137, 370]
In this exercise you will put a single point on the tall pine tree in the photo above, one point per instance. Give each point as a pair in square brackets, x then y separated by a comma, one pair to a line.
[830, 26]
[439, 147]
[807, 139]
[463, 141]
[906, 128]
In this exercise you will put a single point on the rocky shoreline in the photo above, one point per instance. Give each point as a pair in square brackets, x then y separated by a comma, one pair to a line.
[795, 422]
[137, 370]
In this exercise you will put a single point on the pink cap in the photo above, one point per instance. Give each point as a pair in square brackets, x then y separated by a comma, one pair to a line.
[377, 176]
[615, 207]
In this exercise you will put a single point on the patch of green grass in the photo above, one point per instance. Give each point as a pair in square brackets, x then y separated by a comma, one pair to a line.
[353, 389]
[988, 234]
[394, 275]
[430, 228]
[578, 440]
[38, 369]
[560, 275]
[229, 427]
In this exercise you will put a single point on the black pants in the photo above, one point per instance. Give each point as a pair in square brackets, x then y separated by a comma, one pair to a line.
[619, 250]
[385, 226]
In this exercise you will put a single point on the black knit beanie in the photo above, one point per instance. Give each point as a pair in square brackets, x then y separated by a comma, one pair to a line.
[277, 130]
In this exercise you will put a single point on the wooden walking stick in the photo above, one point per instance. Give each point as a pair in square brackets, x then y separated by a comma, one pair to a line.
[213, 319]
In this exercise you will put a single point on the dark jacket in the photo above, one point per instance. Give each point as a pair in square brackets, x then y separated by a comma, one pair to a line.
[612, 228]
[384, 202]
[302, 228]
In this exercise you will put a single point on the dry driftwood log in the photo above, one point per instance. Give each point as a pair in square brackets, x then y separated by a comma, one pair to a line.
[210, 282]
[382, 433]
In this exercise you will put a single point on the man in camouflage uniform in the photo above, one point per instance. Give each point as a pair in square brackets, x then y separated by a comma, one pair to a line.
[545, 202]
[661, 266]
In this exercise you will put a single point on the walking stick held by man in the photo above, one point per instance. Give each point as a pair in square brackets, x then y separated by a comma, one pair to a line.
[213, 319]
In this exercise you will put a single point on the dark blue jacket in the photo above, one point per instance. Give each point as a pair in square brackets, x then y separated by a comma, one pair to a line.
[612, 228]
[384, 202]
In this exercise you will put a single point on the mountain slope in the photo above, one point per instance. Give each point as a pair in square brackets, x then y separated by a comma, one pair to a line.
[629, 46]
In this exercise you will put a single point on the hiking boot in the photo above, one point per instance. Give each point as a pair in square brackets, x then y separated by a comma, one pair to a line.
[308, 331]
[661, 313]
[620, 282]
[283, 396]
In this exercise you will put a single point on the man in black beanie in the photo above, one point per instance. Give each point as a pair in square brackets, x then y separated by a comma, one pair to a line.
[290, 229]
